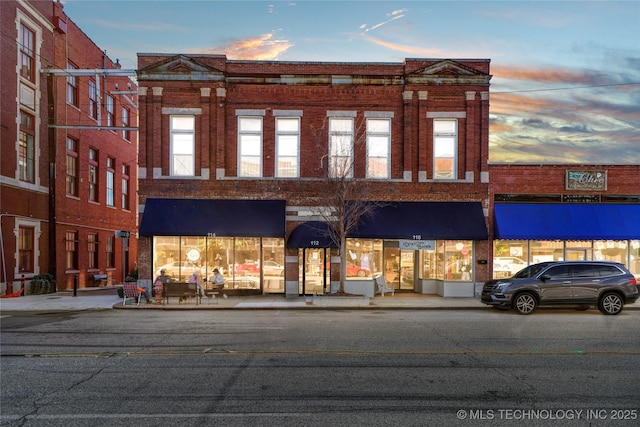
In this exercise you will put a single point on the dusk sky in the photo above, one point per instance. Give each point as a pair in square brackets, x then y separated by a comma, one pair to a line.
[566, 74]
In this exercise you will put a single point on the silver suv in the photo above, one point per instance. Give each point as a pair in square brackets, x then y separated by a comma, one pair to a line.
[608, 285]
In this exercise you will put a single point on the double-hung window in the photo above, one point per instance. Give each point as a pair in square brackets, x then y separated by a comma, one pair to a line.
[340, 147]
[26, 249]
[110, 111]
[183, 145]
[126, 133]
[72, 167]
[250, 146]
[93, 100]
[26, 148]
[27, 57]
[445, 148]
[378, 148]
[111, 179]
[71, 250]
[72, 86]
[110, 251]
[287, 147]
[125, 187]
[92, 250]
[93, 175]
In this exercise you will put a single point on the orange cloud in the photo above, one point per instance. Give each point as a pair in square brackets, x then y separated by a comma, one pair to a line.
[419, 51]
[261, 48]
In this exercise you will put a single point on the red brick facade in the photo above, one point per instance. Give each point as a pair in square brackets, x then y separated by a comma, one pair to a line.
[412, 93]
[50, 205]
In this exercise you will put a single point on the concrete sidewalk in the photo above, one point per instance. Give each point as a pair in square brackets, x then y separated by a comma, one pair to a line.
[87, 300]
[105, 300]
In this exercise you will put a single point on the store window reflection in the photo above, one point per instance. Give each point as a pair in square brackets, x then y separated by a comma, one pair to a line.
[509, 256]
[239, 260]
[364, 258]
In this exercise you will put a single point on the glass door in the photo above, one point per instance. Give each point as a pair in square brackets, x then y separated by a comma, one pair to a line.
[407, 268]
[399, 266]
[314, 272]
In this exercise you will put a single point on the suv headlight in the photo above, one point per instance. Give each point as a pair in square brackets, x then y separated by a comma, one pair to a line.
[500, 287]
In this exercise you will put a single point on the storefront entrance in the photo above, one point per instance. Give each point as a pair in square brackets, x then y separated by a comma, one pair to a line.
[399, 266]
[315, 274]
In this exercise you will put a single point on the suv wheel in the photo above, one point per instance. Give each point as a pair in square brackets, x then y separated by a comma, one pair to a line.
[525, 303]
[610, 303]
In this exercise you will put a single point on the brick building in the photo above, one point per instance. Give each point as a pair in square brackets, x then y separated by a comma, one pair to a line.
[68, 174]
[236, 156]
[564, 212]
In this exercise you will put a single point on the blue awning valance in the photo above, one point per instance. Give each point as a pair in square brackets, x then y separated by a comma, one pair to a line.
[218, 217]
[540, 221]
[311, 234]
[424, 220]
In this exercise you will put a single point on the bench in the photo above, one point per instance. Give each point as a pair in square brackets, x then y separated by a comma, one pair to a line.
[212, 291]
[380, 284]
[99, 278]
[180, 290]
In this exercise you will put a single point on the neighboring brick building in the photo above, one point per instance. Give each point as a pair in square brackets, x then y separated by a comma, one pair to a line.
[554, 212]
[234, 159]
[69, 153]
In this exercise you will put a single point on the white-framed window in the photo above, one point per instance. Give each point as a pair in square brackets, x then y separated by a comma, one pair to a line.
[378, 148]
[126, 133]
[27, 53]
[126, 203]
[250, 146]
[73, 167]
[340, 147]
[111, 179]
[72, 86]
[110, 111]
[93, 175]
[93, 100]
[445, 148]
[183, 145]
[288, 147]
[26, 148]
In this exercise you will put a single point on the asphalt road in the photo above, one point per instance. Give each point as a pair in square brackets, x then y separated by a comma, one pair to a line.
[331, 367]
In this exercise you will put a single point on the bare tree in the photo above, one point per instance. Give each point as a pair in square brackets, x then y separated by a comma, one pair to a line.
[346, 199]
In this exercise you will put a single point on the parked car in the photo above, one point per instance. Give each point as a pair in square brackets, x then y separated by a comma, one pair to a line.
[272, 268]
[247, 269]
[508, 263]
[607, 285]
[356, 270]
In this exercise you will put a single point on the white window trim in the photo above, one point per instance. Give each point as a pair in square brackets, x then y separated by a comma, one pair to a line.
[388, 157]
[287, 133]
[351, 148]
[260, 133]
[21, 222]
[455, 149]
[173, 132]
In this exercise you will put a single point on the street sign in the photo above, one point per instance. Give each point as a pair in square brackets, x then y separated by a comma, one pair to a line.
[123, 234]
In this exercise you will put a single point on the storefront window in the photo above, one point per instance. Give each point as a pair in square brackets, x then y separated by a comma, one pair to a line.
[634, 258]
[239, 260]
[610, 250]
[509, 257]
[546, 250]
[458, 259]
[429, 264]
[364, 258]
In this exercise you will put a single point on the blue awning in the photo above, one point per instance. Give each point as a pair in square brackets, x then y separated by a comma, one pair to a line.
[424, 221]
[311, 234]
[594, 221]
[218, 217]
